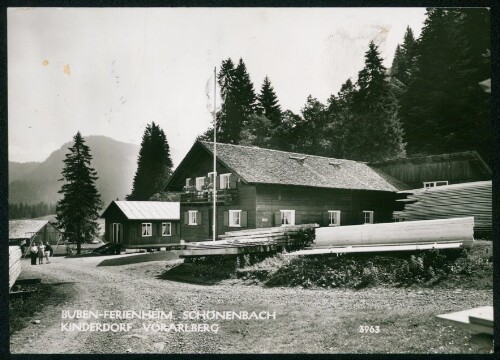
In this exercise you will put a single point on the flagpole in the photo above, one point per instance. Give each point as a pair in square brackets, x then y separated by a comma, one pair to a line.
[214, 221]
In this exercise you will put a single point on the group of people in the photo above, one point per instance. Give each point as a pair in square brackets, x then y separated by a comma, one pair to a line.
[40, 251]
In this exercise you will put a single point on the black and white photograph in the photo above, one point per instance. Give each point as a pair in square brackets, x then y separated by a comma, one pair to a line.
[250, 180]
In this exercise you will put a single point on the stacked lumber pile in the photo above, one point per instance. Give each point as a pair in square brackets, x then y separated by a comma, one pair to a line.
[247, 241]
[450, 201]
[478, 319]
[14, 264]
[398, 236]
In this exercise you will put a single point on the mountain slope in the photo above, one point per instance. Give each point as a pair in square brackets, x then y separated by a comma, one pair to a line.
[114, 161]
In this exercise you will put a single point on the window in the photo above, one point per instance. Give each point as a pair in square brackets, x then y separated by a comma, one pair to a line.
[224, 181]
[188, 182]
[147, 229]
[211, 176]
[117, 229]
[333, 218]
[166, 229]
[200, 181]
[368, 215]
[287, 217]
[429, 184]
[193, 217]
[235, 218]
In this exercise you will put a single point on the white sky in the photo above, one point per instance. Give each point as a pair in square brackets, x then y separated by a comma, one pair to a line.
[111, 71]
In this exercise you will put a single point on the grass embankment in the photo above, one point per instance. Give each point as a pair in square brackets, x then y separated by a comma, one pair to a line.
[470, 268]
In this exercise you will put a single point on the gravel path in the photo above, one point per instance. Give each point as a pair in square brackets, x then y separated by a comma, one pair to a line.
[306, 320]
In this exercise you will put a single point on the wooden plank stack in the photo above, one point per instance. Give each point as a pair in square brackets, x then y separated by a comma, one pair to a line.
[450, 201]
[478, 319]
[457, 230]
[14, 264]
[247, 241]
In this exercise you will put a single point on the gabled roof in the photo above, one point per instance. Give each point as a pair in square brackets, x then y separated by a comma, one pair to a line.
[266, 166]
[25, 229]
[427, 159]
[147, 210]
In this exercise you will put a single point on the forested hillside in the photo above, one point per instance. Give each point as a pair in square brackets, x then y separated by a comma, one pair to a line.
[31, 184]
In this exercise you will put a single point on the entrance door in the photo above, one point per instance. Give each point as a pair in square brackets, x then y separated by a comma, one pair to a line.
[117, 236]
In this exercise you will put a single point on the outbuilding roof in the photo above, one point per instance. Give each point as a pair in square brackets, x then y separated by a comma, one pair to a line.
[25, 229]
[148, 210]
[267, 166]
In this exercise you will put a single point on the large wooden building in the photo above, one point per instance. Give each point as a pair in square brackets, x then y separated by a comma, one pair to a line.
[142, 224]
[437, 170]
[258, 188]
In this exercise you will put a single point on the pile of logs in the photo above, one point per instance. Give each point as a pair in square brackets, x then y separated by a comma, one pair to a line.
[450, 201]
[247, 241]
[14, 264]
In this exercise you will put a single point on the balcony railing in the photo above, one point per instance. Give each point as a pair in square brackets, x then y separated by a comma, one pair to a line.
[224, 196]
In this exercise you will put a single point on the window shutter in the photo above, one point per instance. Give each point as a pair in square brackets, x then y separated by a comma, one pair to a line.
[198, 218]
[298, 219]
[189, 182]
[232, 181]
[277, 219]
[217, 182]
[207, 180]
[326, 218]
[186, 218]
[373, 217]
[244, 219]
[139, 229]
[361, 219]
[226, 218]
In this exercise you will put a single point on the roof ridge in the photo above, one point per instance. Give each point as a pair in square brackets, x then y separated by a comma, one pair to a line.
[281, 151]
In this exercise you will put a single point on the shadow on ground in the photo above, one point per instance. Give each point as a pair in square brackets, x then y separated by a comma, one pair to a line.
[139, 258]
[192, 273]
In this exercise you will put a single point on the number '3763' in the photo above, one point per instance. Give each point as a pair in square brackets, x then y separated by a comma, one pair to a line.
[365, 329]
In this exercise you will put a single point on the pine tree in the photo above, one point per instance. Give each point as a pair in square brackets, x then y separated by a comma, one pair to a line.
[238, 101]
[444, 102]
[79, 207]
[154, 165]
[268, 103]
[310, 133]
[378, 133]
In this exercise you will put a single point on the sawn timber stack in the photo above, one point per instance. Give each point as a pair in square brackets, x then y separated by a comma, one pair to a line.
[247, 241]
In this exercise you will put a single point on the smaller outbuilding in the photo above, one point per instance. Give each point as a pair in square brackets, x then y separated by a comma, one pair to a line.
[142, 224]
[24, 232]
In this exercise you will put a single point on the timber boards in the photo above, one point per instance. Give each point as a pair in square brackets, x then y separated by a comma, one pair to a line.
[468, 199]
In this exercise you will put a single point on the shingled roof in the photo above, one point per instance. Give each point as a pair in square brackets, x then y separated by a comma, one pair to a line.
[147, 210]
[25, 229]
[266, 166]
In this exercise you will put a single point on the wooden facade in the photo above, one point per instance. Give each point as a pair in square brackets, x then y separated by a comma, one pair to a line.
[258, 204]
[445, 169]
[132, 233]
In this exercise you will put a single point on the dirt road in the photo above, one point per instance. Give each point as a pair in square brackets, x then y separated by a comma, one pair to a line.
[318, 321]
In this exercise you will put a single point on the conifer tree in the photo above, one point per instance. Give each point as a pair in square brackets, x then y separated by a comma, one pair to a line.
[238, 101]
[268, 103]
[79, 207]
[154, 165]
[444, 102]
[378, 132]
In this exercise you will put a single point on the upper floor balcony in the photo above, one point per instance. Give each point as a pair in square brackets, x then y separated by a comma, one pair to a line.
[224, 197]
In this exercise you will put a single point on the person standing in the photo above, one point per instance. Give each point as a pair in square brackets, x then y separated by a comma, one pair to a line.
[48, 251]
[33, 253]
[41, 249]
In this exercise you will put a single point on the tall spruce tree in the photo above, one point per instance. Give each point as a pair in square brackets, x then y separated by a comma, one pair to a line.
[379, 133]
[238, 101]
[267, 103]
[79, 207]
[154, 165]
[444, 109]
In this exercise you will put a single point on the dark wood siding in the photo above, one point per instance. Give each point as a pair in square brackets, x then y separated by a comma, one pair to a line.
[312, 204]
[245, 202]
[131, 230]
